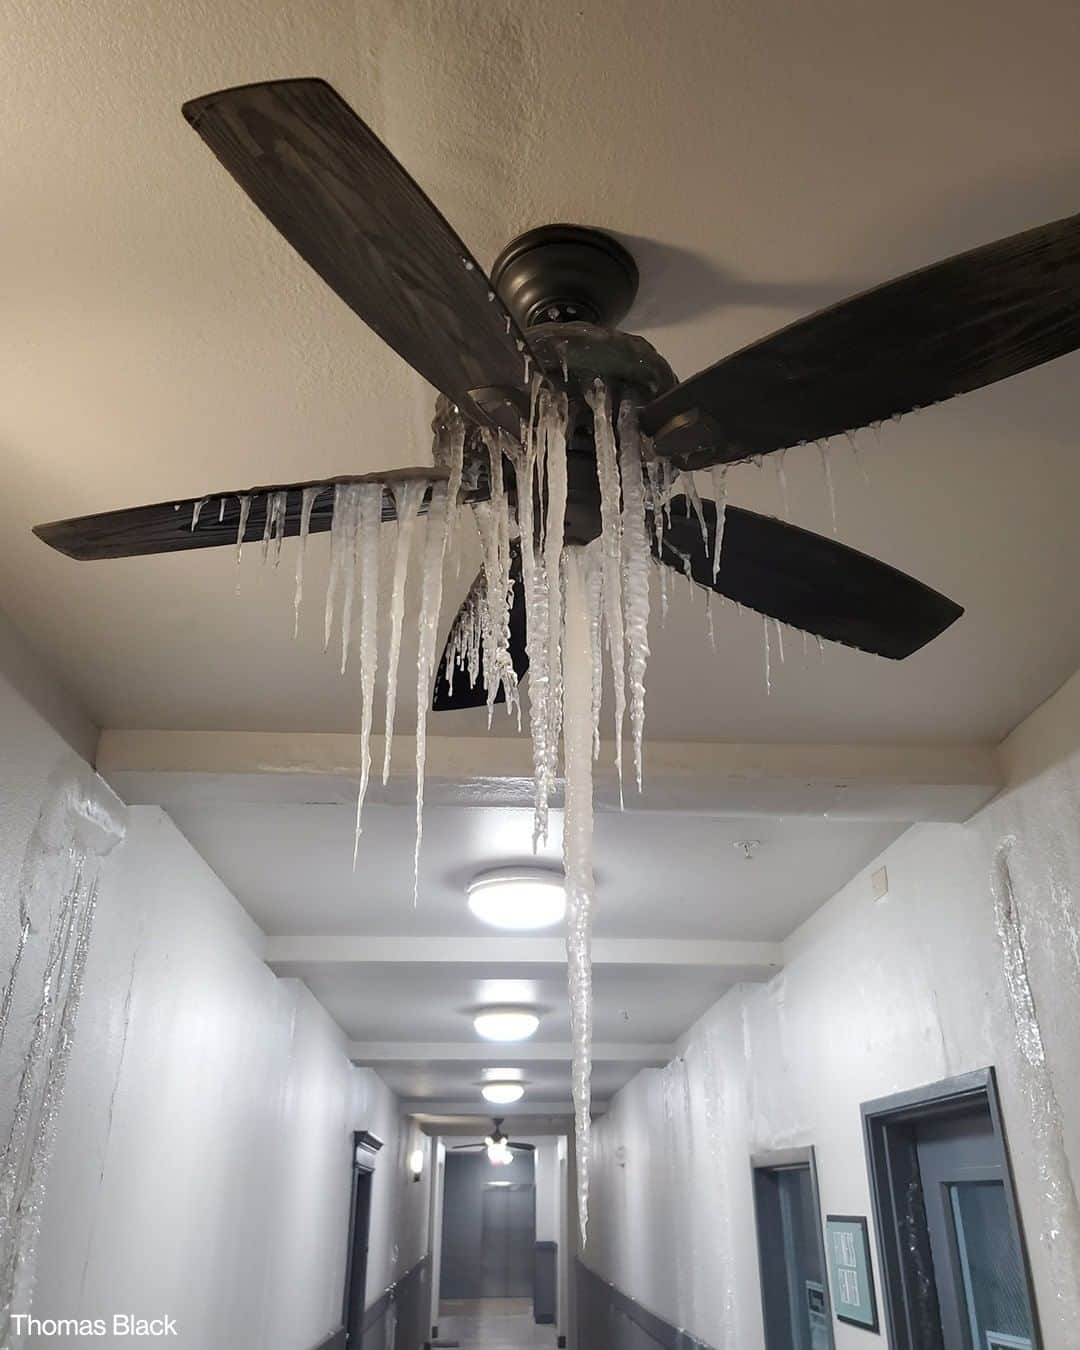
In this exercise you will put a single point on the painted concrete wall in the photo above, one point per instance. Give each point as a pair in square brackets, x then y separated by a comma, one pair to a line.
[202, 1151]
[876, 997]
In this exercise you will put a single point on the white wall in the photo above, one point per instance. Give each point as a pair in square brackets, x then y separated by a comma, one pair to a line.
[202, 1152]
[874, 998]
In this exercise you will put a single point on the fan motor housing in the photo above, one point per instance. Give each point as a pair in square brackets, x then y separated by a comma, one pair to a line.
[565, 274]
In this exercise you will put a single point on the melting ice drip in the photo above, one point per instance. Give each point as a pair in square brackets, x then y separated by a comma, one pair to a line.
[80, 823]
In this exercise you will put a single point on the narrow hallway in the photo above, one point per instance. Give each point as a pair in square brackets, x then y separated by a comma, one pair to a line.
[492, 1324]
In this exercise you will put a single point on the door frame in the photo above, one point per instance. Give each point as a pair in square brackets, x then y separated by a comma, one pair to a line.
[781, 1160]
[365, 1149]
[890, 1162]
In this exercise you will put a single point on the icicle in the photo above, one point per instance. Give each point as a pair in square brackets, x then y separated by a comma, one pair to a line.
[718, 476]
[636, 558]
[768, 659]
[408, 496]
[555, 473]
[366, 536]
[221, 510]
[689, 485]
[596, 636]
[307, 502]
[493, 524]
[435, 540]
[577, 846]
[823, 451]
[343, 527]
[196, 512]
[611, 542]
[241, 529]
[779, 638]
[274, 528]
[342, 550]
[781, 482]
[709, 619]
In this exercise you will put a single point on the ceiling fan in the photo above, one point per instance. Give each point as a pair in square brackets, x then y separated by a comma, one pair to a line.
[500, 1148]
[555, 297]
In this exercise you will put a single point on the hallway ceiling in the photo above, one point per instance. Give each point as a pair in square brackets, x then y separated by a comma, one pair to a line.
[159, 338]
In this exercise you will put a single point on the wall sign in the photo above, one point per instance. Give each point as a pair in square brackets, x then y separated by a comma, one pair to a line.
[851, 1276]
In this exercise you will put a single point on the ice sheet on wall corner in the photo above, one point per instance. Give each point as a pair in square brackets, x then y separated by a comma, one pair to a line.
[79, 825]
[1058, 1224]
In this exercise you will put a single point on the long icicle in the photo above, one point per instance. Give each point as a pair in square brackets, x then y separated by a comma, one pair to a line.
[611, 539]
[408, 496]
[636, 562]
[435, 540]
[577, 847]
[369, 519]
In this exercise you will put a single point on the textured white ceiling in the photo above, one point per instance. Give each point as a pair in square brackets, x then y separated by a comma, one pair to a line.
[157, 338]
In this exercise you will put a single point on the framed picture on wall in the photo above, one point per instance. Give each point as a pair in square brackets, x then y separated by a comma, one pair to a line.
[851, 1276]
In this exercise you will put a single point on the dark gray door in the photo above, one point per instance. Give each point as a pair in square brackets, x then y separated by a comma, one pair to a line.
[508, 1241]
[791, 1258]
[978, 1269]
[356, 1276]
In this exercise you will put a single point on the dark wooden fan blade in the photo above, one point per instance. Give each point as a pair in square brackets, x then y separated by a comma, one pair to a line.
[168, 527]
[941, 331]
[458, 1148]
[452, 697]
[808, 581]
[521, 1148]
[349, 209]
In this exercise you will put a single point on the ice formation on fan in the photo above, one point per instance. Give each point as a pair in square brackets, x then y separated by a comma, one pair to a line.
[581, 601]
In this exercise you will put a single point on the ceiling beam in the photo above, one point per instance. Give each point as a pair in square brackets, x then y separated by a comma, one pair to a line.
[747, 961]
[532, 1052]
[842, 782]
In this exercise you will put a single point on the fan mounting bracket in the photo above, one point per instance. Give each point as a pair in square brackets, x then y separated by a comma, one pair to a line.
[565, 274]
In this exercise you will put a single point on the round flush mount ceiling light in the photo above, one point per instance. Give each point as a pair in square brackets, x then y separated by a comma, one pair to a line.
[518, 898]
[502, 1094]
[505, 1024]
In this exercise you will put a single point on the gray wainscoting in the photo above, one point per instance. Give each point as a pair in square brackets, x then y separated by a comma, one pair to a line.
[608, 1319]
[403, 1307]
[546, 1282]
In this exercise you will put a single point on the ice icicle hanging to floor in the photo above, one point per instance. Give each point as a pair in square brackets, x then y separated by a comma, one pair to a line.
[408, 496]
[436, 531]
[577, 682]
[369, 519]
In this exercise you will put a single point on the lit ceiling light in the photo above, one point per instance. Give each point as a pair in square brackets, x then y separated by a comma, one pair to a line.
[502, 1094]
[506, 1024]
[518, 898]
[499, 1155]
[416, 1163]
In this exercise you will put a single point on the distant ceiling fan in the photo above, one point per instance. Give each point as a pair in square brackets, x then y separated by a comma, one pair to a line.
[556, 293]
[500, 1148]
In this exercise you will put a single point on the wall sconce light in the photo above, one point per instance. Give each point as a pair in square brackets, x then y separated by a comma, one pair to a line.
[416, 1163]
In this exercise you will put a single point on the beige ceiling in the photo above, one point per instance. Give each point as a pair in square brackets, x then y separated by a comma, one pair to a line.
[761, 159]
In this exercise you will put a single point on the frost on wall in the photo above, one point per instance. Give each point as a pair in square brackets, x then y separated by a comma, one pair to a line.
[1034, 911]
[79, 825]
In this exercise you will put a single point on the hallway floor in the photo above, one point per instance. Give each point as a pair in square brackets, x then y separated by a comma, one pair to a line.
[493, 1324]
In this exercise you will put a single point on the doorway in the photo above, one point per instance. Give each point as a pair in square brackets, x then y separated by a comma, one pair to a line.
[489, 1228]
[954, 1266]
[365, 1148]
[791, 1252]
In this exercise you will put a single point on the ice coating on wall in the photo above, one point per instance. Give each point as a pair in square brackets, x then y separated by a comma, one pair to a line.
[1059, 1229]
[79, 825]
